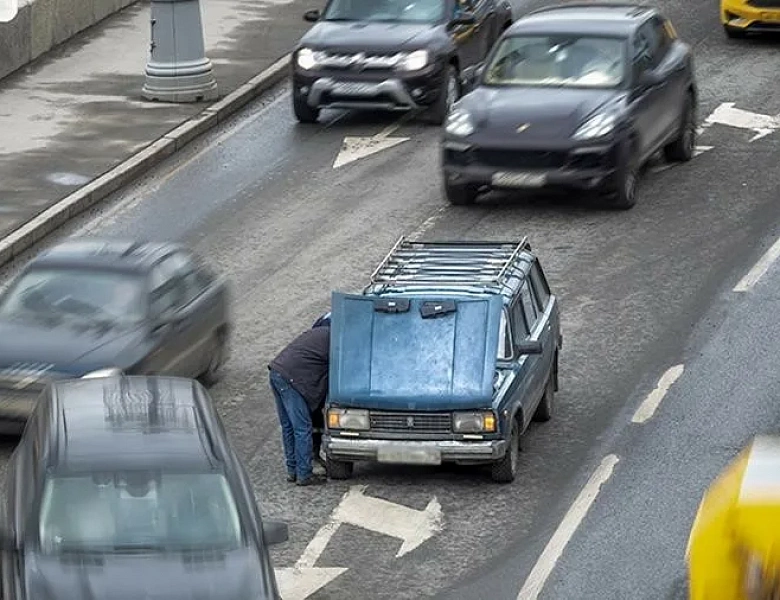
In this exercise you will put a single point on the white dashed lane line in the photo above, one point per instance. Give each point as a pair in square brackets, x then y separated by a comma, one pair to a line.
[647, 409]
[759, 269]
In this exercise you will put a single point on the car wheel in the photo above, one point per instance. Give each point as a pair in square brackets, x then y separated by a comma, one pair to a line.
[544, 411]
[624, 196]
[504, 470]
[215, 369]
[303, 112]
[448, 95]
[733, 33]
[338, 469]
[684, 145]
[460, 195]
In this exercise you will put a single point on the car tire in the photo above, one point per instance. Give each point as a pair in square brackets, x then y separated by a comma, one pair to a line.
[338, 469]
[448, 95]
[684, 145]
[733, 33]
[303, 112]
[460, 195]
[544, 411]
[504, 470]
[215, 369]
[624, 196]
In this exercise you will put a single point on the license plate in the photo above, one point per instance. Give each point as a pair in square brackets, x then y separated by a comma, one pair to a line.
[354, 89]
[406, 455]
[519, 180]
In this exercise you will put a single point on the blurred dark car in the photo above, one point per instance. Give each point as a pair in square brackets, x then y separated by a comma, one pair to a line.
[128, 488]
[94, 307]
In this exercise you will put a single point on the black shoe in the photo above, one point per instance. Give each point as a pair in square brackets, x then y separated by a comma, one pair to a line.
[291, 477]
[311, 480]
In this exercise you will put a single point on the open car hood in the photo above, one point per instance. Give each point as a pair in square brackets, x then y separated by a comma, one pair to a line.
[413, 352]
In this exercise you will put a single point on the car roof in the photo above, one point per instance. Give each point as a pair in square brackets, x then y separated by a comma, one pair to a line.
[594, 18]
[97, 253]
[130, 422]
[453, 269]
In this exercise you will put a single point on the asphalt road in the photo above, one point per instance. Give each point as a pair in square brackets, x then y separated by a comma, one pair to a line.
[261, 200]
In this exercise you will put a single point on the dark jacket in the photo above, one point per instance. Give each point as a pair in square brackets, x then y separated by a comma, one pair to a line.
[304, 363]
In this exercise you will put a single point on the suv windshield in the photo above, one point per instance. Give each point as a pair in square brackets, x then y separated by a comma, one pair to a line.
[558, 61]
[138, 511]
[88, 294]
[412, 11]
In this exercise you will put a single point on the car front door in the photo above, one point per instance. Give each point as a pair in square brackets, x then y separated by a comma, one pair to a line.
[524, 384]
[169, 338]
[467, 38]
[646, 99]
[548, 320]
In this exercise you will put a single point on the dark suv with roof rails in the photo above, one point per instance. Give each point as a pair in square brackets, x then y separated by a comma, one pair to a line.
[128, 488]
[396, 55]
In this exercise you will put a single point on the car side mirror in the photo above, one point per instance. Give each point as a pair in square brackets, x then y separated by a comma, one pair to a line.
[471, 77]
[311, 16]
[464, 18]
[529, 347]
[275, 532]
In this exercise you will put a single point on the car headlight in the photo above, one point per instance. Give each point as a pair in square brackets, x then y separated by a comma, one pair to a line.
[348, 418]
[306, 59]
[110, 372]
[414, 61]
[474, 422]
[596, 127]
[459, 123]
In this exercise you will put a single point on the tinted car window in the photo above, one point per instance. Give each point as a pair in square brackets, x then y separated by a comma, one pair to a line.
[122, 511]
[420, 11]
[167, 298]
[556, 60]
[529, 308]
[519, 325]
[541, 291]
[78, 293]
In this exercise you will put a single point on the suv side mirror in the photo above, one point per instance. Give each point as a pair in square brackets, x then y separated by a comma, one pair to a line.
[311, 15]
[529, 347]
[471, 77]
[464, 18]
[275, 532]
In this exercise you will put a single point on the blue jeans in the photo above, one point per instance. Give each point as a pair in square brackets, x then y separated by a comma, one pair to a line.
[295, 418]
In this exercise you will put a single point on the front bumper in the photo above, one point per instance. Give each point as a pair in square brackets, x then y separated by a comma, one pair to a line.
[585, 167]
[425, 452]
[365, 90]
[762, 16]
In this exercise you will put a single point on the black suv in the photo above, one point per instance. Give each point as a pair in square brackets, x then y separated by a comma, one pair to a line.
[577, 97]
[128, 488]
[392, 54]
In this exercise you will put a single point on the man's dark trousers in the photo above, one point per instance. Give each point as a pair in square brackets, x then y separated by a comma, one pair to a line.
[295, 417]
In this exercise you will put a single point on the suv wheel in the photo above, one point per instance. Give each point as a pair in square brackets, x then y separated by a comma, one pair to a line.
[544, 411]
[683, 146]
[460, 194]
[303, 112]
[504, 470]
[338, 469]
[448, 95]
[624, 196]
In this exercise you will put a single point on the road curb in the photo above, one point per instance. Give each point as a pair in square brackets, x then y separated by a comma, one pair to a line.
[99, 188]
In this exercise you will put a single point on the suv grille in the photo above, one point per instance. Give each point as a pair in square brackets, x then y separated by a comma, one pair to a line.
[411, 422]
[522, 159]
[764, 3]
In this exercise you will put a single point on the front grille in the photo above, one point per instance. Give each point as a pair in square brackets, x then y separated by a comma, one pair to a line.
[764, 3]
[520, 159]
[411, 422]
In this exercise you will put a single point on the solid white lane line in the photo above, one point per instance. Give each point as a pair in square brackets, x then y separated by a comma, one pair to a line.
[546, 563]
[647, 409]
[759, 269]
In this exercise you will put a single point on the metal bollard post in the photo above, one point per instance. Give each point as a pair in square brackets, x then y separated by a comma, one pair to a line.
[177, 69]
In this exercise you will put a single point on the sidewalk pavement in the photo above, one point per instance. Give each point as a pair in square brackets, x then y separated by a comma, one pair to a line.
[76, 113]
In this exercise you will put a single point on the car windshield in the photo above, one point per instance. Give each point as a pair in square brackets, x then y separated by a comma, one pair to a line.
[138, 511]
[88, 294]
[558, 61]
[411, 11]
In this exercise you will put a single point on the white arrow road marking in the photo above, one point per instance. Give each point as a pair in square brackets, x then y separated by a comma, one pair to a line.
[653, 401]
[555, 547]
[412, 526]
[696, 152]
[355, 148]
[726, 114]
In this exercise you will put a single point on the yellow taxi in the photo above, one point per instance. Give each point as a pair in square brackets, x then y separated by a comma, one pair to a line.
[740, 17]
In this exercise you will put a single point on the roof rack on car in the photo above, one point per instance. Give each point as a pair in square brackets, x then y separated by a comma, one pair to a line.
[471, 264]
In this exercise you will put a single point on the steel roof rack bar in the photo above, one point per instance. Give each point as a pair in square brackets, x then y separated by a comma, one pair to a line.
[430, 263]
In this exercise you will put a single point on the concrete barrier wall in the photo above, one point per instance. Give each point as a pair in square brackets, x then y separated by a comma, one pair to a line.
[43, 24]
